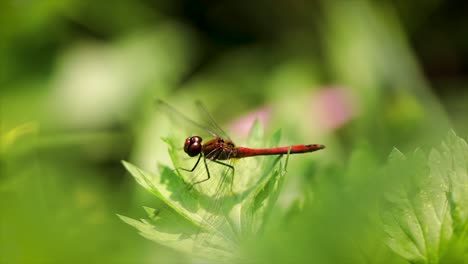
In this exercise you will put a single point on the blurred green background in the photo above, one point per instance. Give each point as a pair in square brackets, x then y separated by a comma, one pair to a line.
[79, 78]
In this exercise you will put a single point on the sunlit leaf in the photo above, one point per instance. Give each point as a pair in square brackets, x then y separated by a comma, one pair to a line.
[219, 215]
[426, 213]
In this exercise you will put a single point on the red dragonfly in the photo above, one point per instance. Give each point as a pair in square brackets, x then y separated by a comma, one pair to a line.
[222, 147]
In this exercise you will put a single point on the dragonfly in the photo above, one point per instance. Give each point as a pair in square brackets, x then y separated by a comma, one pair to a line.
[221, 148]
[220, 225]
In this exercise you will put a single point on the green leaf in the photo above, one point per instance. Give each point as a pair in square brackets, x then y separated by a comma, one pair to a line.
[255, 138]
[426, 211]
[218, 216]
[256, 206]
[184, 204]
[150, 232]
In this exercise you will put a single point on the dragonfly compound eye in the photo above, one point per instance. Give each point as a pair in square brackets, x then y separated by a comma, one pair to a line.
[193, 146]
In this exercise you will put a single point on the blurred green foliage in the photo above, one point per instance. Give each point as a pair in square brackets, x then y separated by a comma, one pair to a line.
[78, 81]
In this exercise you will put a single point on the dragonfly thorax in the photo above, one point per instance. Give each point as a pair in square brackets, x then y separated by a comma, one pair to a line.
[193, 146]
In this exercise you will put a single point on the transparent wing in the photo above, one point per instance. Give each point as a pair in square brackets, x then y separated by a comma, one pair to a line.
[210, 120]
[208, 200]
[223, 233]
[215, 195]
[208, 125]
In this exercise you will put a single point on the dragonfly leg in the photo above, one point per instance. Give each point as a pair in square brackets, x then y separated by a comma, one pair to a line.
[230, 167]
[194, 166]
[207, 171]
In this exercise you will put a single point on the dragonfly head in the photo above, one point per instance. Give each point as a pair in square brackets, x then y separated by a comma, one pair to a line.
[193, 146]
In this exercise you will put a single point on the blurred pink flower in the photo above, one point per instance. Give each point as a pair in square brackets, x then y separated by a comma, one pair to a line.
[333, 106]
[241, 126]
